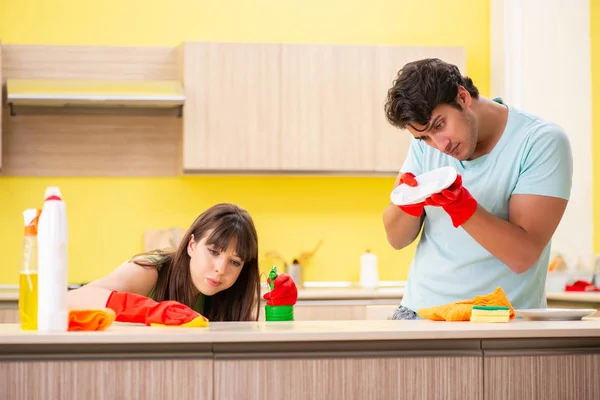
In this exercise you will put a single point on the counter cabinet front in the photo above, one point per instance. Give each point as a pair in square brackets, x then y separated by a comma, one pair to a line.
[307, 360]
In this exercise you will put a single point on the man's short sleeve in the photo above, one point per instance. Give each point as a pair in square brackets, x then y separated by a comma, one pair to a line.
[547, 164]
[414, 158]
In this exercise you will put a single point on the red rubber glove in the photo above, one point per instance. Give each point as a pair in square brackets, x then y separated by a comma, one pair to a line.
[284, 292]
[416, 210]
[456, 201]
[131, 307]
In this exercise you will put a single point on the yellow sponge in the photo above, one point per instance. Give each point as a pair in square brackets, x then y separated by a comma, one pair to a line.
[490, 314]
[198, 322]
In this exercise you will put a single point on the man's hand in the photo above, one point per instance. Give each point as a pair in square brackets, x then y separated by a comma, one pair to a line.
[456, 201]
[403, 223]
[408, 178]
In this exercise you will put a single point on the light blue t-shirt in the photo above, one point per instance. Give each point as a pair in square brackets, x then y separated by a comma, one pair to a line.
[533, 156]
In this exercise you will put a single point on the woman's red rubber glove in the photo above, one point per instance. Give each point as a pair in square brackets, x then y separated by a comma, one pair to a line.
[284, 291]
[131, 307]
[408, 178]
[456, 201]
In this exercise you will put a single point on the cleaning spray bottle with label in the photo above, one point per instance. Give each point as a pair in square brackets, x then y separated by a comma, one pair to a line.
[52, 264]
[28, 274]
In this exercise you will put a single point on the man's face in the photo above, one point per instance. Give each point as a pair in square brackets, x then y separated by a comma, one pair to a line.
[449, 130]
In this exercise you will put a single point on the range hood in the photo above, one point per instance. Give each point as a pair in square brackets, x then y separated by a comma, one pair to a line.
[95, 93]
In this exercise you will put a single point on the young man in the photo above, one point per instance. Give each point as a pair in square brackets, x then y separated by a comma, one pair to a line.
[493, 226]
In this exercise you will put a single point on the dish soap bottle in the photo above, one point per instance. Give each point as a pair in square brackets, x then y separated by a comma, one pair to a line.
[28, 274]
[52, 264]
[369, 274]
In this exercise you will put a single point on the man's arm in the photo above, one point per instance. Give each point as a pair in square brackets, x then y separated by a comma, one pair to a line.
[519, 242]
[401, 229]
[536, 205]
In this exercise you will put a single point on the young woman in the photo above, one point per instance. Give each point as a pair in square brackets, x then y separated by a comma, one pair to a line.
[214, 273]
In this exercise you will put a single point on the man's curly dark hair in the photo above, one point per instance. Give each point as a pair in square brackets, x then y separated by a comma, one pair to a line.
[421, 86]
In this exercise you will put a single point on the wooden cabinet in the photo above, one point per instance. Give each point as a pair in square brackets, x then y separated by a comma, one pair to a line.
[327, 118]
[391, 144]
[547, 377]
[294, 107]
[106, 377]
[333, 106]
[232, 107]
[348, 377]
[108, 139]
[9, 315]
[248, 107]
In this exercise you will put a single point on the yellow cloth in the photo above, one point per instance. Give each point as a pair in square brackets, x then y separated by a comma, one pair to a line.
[198, 322]
[461, 310]
[91, 320]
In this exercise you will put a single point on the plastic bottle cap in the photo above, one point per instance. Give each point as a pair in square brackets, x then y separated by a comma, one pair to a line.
[52, 193]
[31, 217]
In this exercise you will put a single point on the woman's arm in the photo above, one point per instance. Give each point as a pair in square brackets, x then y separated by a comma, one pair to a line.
[128, 277]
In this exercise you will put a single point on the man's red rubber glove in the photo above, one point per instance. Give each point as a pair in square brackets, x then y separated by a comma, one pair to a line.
[284, 292]
[131, 307]
[416, 210]
[456, 201]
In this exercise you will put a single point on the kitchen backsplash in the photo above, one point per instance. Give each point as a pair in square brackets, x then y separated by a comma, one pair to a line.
[108, 218]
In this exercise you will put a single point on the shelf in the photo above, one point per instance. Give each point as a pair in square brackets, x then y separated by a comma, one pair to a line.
[94, 93]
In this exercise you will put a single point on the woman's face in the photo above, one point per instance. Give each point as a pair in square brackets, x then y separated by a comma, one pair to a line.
[213, 270]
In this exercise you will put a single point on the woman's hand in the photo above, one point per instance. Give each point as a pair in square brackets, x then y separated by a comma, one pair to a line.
[130, 307]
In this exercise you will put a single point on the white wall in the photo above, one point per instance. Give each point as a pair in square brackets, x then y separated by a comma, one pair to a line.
[540, 62]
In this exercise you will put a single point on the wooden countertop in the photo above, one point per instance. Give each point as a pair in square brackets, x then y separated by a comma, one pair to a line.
[9, 295]
[584, 297]
[309, 331]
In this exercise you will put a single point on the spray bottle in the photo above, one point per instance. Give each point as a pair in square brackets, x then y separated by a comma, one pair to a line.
[28, 274]
[52, 264]
[283, 310]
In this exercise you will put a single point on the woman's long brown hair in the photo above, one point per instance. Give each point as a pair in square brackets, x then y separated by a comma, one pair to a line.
[224, 222]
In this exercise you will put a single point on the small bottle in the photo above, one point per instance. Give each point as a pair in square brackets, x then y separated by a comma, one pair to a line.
[28, 274]
[369, 274]
[295, 272]
[52, 264]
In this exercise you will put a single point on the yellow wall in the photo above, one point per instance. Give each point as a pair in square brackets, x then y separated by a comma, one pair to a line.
[595, 28]
[345, 212]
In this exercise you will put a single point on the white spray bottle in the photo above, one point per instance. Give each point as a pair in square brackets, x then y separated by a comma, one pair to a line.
[52, 264]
